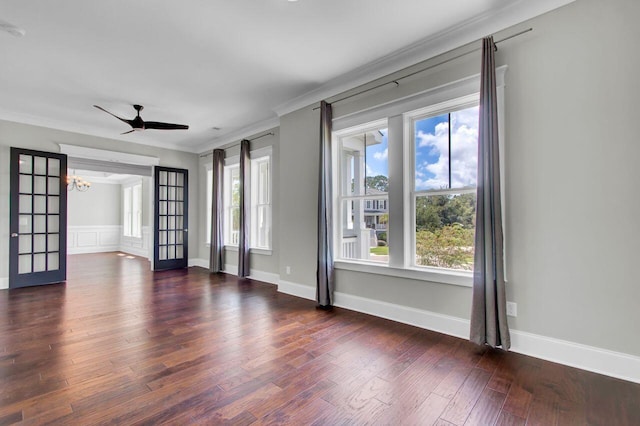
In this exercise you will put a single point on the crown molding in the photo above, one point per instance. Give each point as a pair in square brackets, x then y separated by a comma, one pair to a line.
[243, 133]
[467, 32]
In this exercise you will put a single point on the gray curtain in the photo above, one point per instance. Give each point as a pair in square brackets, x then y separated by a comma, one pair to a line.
[489, 305]
[216, 263]
[324, 273]
[245, 205]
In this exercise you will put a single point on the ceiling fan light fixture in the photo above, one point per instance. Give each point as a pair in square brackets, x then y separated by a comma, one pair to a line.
[138, 124]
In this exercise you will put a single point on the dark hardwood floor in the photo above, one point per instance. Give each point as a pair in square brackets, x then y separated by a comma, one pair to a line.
[118, 344]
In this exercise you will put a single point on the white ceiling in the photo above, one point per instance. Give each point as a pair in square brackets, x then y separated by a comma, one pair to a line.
[231, 64]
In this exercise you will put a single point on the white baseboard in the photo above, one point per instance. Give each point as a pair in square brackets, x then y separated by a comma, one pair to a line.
[267, 277]
[4, 283]
[601, 361]
[299, 290]
[446, 324]
[203, 263]
[95, 249]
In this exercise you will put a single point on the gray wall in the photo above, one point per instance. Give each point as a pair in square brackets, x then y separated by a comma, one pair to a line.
[88, 208]
[571, 180]
[45, 139]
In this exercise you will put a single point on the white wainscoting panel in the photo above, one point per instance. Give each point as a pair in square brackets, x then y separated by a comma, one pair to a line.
[93, 239]
[137, 246]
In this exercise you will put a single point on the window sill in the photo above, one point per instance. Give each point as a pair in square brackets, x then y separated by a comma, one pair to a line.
[132, 238]
[264, 252]
[459, 278]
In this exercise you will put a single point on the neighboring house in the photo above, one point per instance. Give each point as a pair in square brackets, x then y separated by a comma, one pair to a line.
[376, 211]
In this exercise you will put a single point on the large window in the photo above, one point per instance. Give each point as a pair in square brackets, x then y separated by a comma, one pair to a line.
[405, 185]
[132, 210]
[259, 189]
[363, 194]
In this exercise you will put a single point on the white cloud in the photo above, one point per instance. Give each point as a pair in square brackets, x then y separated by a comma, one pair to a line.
[464, 152]
[382, 155]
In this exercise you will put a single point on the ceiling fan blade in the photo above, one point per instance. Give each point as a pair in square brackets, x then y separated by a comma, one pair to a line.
[110, 113]
[164, 126]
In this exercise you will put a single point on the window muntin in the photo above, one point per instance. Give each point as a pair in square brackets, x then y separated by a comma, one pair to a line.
[132, 211]
[445, 148]
[363, 194]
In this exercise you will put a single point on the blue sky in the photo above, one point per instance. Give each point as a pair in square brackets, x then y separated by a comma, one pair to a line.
[377, 161]
[432, 150]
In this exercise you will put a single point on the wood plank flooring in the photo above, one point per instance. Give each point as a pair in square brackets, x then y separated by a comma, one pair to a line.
[118, 344]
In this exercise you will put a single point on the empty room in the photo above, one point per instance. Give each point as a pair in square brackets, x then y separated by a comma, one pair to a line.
[319, 212]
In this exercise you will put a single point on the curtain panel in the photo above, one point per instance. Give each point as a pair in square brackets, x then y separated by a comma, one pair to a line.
[324, 272]
[245, 205]
[489, 307]
[216, 262]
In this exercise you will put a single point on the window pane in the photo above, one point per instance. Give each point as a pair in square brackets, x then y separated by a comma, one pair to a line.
[260, 217]
[364, 163]
[464, 148]
[207, 212]
[364, 232]
[432, 153]
[364, 171]
[446, 159]
[445, 231]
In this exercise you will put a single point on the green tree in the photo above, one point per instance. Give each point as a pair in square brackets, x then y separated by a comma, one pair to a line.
[448, 247]
[379, 182]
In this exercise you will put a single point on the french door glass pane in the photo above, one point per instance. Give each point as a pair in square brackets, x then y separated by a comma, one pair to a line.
[39, 262]
[54, 167]
[26, 185]
[40, 166]
[24, 264]
[26, 164]
[53, 261]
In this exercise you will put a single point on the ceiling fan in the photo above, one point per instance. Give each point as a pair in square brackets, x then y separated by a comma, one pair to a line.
[138, 124]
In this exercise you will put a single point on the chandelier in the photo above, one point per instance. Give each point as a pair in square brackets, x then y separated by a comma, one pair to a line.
[77, 183]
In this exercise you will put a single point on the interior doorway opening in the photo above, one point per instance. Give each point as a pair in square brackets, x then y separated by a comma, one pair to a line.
[113, 213]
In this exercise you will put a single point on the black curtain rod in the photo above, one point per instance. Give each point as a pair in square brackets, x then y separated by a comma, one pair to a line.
[237, 143]
[395, 81]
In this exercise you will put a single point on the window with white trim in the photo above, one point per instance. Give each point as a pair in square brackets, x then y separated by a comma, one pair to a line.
[132, 210]
[432, 156]
[259, 189]
[231, 203]
[363, 193]
[260, 202]
[209, 194]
